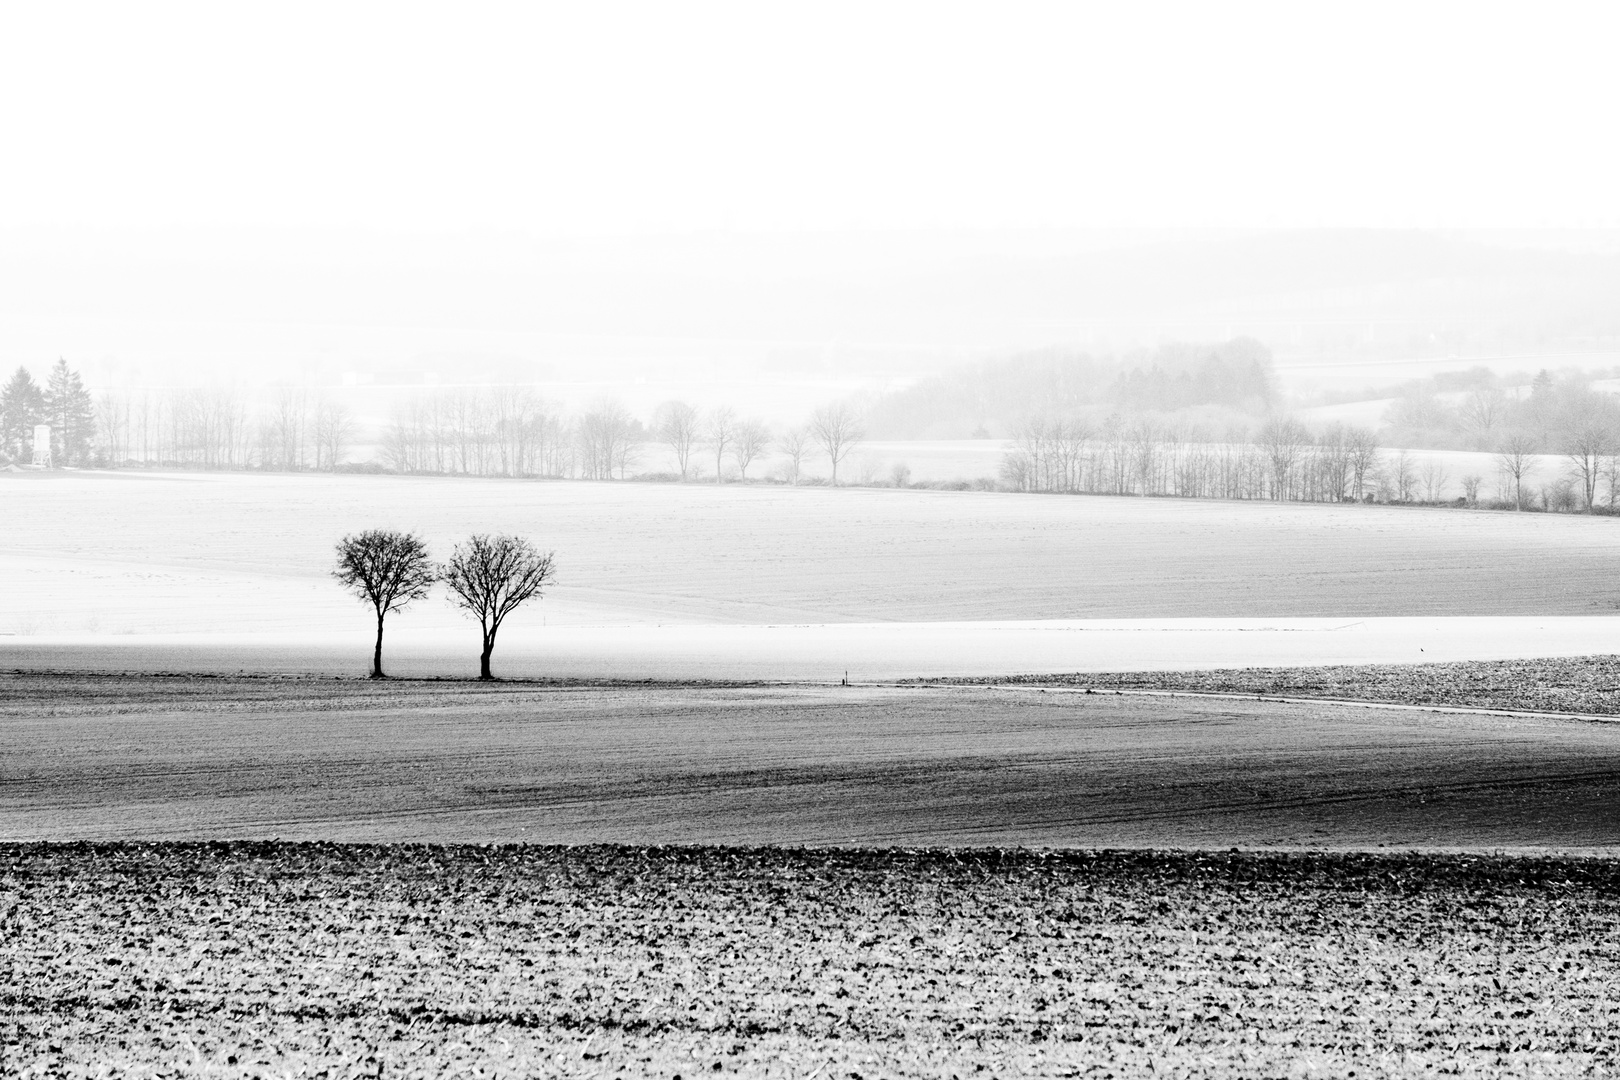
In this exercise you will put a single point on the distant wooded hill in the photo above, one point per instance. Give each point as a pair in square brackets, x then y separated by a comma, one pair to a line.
[995, 398]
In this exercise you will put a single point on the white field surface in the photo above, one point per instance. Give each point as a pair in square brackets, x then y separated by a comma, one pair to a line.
[830, 652]
[147, 572]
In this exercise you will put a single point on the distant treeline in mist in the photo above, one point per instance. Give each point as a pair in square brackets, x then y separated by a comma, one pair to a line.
[1188, 421]
[470, 431]
[1281, 459]
[221, 428]
[1479, 410]
[993, 399]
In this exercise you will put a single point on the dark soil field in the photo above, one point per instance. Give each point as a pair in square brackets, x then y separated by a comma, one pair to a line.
[933, 903]
[320, 960]
[105, 758]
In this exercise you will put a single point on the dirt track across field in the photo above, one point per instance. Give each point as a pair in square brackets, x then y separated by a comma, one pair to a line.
[142, 758]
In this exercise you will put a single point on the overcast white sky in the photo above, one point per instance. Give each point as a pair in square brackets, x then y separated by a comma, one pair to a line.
[588, 117]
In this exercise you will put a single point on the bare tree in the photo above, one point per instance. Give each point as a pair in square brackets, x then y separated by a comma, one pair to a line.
[489, 577]
[1363, 451]
[1470, 484]
[795, 444]
[838, 430]
[1018, 470]
[608, 436]
[1586, 444]
[1516, 457]
[1434, 481]
[285, 430]
[753, 439]
[1283, 440]
[1482, 412]
[386, 569]
[1403, 476]
[1052, 451]
[720, 432]
[676, 424]
[1333, 461]
[334, 428]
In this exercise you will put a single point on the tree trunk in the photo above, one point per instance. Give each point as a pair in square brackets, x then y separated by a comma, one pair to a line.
[376, 656]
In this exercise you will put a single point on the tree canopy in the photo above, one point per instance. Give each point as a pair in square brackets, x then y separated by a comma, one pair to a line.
[71, 412]
[386, 569]
[490, 577]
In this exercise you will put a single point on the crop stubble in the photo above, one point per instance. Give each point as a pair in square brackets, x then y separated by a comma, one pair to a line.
[256, 959]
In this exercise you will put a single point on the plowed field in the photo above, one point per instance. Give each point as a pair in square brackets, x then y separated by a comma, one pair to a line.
[141, 758]
[293, 960]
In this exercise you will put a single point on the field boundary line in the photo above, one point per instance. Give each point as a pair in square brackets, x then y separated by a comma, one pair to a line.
[1358, 703]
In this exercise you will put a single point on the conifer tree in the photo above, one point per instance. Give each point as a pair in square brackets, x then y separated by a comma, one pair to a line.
[71, 413]
[22, 405]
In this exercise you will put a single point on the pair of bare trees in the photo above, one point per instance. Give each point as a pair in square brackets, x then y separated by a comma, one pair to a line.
[488, 577]
[1591, 451]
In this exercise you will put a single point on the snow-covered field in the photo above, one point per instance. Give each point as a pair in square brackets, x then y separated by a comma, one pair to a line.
[830, 652]
[229, 572]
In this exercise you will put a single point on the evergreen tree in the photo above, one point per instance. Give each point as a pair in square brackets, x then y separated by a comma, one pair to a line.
[22, 405]
[71, 413]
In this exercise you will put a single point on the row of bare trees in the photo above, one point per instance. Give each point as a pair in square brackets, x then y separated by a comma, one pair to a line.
[1281, 459]
[220, 428]
[834, 430]
[1284, 460]
[498, 431]
[508, 431]
[487, 431]
[1587, 474]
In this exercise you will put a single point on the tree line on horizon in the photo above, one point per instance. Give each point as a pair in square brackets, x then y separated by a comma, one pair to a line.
[494, 431]
[1182, 420]
[1283, 460]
